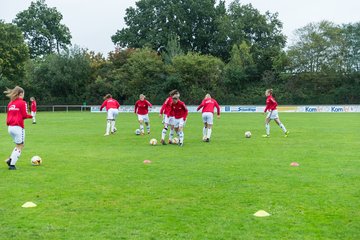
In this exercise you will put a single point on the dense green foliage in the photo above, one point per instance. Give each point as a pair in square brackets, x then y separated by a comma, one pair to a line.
[96, 187]
[13, 55]
[42, 29]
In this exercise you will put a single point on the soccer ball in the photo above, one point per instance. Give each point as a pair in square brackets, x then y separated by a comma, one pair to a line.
[153, 141]
[175, 141]
[137, 131]
[248, 134]
[36, 161]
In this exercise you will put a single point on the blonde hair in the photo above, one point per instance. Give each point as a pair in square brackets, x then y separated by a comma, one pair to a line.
[14, 93]
[107, 96]
[32, 99]
[207, 95]
[142, 95]
[270, 91]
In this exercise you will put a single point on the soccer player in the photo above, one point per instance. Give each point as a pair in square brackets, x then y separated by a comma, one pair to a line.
[16, 113]
[208, 105]
[180, 114]
[33, 109]
[112, 108]
[142, 109]
[273, 114]
[168, 117]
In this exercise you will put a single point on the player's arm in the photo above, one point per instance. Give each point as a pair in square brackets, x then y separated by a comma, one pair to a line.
[185, 112]
[136, 107]
[103, 105]
[200, 106]
[23, 111]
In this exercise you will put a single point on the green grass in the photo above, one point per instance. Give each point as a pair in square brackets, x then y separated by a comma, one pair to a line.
[96, 187]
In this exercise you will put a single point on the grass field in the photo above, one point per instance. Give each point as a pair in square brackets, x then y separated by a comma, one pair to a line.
[96, 187]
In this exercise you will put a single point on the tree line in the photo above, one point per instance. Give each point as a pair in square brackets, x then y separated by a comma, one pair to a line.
[195, 46]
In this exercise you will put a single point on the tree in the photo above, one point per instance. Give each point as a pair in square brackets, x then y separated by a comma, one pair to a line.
[42, 29]
[152, 23]
[13, 55]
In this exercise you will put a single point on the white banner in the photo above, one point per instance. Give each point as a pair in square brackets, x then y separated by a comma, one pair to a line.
[253, 108]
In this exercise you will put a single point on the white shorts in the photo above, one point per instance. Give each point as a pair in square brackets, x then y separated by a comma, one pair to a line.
[17, 133]
[144, 118]
[33, 114]
[273, 114]
[179, 122]
[208, 117]
[112, 113]
[168, 120]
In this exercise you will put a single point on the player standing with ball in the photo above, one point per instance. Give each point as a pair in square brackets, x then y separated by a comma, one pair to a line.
[142, 110]
[208, 105]
[180, 114]
[16, 113]
[112, 108]
[166, 112]
[273, 114]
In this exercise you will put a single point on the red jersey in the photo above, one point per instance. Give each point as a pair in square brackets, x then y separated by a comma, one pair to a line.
[17, 112]
[208, 105]
[270, 103]
[167, 108]
[110, 103]
[33, 106]
[142, 107]
[180, 110]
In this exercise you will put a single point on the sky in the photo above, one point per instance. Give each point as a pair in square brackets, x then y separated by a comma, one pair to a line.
[93, 22]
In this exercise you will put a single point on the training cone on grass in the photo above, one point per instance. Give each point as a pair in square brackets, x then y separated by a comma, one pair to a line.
[29, 205]
[147, 161]
[294, 164]
[261, 213]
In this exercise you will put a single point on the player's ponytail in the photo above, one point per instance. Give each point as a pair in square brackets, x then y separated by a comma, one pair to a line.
[107, 96]
[270, 91]
[14, 93]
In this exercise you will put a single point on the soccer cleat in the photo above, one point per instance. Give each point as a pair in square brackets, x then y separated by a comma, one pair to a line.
[287, 133]
[34, 123]
[148, 132]
[8, 161]
[106, 134]
[266, 136]
[170, 142]
[163, 142]
[180, 144]
[12, 167]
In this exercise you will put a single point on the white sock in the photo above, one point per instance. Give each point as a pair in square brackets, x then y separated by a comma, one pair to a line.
[171, 135]
[142, 128]
[267, 127]
[108, 126]
[113, 126]
[148, 128]
[282, 127]
[181, 136]
[15, 156]
[34, 120]
[209, 133]
[163, 133]
[204, 132]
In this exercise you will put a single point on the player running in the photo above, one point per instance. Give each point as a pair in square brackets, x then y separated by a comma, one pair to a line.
[112, 108]
[273, 114]
[142, 110]
[208, 105]
[180, 114]
[167, 114]
[33, 109]
[16, 113]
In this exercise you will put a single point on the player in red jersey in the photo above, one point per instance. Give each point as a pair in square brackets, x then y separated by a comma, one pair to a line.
[167, 114]
[142, 110]
[180, 114]
[16, 113]
[112, 108]
[33, 109]
[208, 105]
[273, 114]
